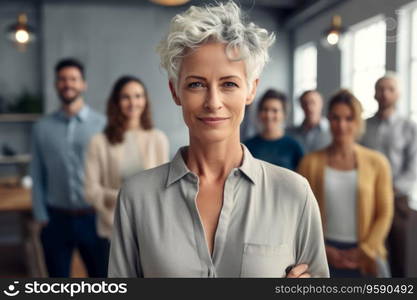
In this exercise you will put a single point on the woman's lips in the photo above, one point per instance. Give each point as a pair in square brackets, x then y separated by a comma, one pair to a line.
[213, 121]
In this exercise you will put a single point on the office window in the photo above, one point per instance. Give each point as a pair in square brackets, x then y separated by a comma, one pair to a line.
[413, 65]
[407, 59]
[407, 67]
[363, 61]
[305, 74]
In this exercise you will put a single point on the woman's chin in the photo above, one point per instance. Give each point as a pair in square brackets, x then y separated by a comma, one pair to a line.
[212, 136]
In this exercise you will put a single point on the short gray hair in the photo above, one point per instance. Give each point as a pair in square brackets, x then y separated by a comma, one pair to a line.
[220, 23]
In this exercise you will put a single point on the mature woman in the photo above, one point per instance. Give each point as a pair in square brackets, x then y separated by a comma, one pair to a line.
[214, 210]
[354, 190]
[129, 144]
[272, 145]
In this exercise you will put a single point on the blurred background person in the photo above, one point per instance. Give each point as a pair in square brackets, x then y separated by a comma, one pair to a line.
[128, 145]
[396, 137]
[57, 168]
[313, 133]
[354, 189]
[272, 145]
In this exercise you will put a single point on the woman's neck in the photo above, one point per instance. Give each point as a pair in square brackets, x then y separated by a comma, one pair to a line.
[272, 134]
[214, 161]
[341, 156]
[133, 124]
[342, 149]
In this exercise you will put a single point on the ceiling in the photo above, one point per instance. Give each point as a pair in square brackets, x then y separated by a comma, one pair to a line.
[291, 12]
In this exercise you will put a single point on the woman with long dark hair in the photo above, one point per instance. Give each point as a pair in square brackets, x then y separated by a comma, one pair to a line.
[129, 144]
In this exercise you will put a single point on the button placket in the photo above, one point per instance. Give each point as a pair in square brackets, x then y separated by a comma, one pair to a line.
[201, 243]
[224, 219]
[69, 155]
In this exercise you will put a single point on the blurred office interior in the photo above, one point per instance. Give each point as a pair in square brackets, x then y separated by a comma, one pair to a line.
[117, 37]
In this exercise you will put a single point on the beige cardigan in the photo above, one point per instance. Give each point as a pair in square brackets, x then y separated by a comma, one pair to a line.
[102, 171]
[375, 199]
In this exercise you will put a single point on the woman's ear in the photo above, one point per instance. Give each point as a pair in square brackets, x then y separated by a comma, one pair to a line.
[174, 93]
[252, 92]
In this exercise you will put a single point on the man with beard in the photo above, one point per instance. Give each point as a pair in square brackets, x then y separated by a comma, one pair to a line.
[59, 143]
[396, 137]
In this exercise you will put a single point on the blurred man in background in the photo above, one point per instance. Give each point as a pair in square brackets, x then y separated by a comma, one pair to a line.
[396, 137]
[57, 168]
[313, 133]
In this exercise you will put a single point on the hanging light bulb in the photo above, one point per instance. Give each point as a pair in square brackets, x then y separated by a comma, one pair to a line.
[20, 33]
[22, 36]
[170, 2]
[332, 36]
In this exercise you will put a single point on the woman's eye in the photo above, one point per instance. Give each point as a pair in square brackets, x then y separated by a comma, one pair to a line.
[195, 85]
[230, 84]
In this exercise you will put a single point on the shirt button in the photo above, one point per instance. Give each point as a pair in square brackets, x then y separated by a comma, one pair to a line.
[236, 172]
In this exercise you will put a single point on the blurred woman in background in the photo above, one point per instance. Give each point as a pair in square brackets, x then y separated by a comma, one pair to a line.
[353, 187]
[128, 145]
[272, 145]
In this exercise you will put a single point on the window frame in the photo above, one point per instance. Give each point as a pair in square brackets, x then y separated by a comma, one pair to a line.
[297, 89]
[348, 70]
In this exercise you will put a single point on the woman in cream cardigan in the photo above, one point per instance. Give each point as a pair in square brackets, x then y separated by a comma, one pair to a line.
[128, 145]
[353, 187]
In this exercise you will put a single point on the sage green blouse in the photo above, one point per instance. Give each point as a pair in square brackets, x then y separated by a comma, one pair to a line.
[269, 221]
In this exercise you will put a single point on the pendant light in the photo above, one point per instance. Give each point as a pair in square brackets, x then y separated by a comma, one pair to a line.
[20, 33]
[333, 35]
[170, 2]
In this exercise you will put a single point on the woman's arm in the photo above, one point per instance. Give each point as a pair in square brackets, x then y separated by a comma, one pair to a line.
[384, 208]
[103, 199]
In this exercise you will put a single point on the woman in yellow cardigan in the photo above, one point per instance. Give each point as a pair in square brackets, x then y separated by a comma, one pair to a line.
[353, 187]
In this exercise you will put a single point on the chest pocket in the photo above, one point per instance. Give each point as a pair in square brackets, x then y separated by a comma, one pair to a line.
[265, 260]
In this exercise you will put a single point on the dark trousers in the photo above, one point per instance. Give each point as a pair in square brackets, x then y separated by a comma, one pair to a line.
[64, 233]
[397, 238]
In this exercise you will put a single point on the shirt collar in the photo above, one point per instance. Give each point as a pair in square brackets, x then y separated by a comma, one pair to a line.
[323, 125]
[393, 117]
[178, 169]
[390, 120]
[82, 115]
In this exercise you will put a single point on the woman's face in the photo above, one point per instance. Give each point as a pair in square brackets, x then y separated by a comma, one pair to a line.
[213, 92]
[132, 100]
[272, 114]
[342, 123]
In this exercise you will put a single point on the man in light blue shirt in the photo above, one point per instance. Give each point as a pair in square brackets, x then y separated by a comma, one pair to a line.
[59, 143]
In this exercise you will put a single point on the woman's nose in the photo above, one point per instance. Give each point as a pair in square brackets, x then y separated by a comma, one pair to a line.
[213, 99]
